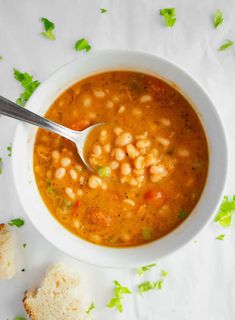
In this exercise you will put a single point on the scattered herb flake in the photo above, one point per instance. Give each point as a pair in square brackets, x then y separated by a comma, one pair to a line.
[1, 57]
[116, 301]
[20, 318]
[82, 44]
[104, 172]
[9, 149]
[169, 16]
[218, 18]
[226, 210]
[182, 214]
[150, 285]
[164, 273]
[103, 10]
[28, 84]
[16, 222]
[227, 44]
[1, 163]
[48, 26]
[141, 270]
[220, 237]
[24, 245]
[91, 307]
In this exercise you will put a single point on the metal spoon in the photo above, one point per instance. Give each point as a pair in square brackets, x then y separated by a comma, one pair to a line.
[11, 109]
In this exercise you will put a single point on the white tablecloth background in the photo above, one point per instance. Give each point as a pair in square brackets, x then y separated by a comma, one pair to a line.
[201, 281]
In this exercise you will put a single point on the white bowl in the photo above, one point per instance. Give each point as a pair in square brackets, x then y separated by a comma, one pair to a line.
[27, 189]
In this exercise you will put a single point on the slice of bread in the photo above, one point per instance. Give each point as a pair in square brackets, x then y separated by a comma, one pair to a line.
[7, 266]
[58, 298]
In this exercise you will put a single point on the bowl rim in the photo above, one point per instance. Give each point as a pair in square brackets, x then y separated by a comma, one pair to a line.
[190, 236]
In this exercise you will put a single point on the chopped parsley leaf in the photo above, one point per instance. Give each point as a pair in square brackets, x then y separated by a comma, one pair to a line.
[141, 270]
[91, 307]
[82, 44]
[218, 18]
[227, 44]
[28, 84]
[1, 57]
[226, 210]
[48, 26]
[182, 214]
[164, 273]
[24, 245]
[102, 10]
[220, 237]
[16, 222]
[150, 285]
[169, 16]
[20, 318]
[116, 301]
[9, 149]
[1, 162]
[104, 172]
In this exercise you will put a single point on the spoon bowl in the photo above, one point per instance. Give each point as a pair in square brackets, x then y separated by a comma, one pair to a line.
[11, 109]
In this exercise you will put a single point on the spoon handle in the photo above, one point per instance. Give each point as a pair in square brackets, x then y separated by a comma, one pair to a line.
[11, 109]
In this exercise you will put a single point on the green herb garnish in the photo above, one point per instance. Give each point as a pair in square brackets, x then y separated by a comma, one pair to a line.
[147, 233]
[28, 84]
[91, 307]
[119, 291]
[227, 44]
[1, 163]
[150, 285]
[82, 44]
[141, 270]
[220, 237]
[16, 222]
[218, 18]
[226, 210]
[48, 26]
[104, 172]
[102, 10]
[164, 273]
[169, 16]
[1, 57]
[9, 149]
[182, 214]
[20, 318]
[24, 245]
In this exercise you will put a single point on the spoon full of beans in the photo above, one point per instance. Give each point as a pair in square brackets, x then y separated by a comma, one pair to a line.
[11, 109]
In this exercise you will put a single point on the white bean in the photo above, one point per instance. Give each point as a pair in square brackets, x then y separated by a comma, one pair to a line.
[165, 142]
[73, 174]
[116, 99]
[97, 150]
[109, 104]
[182, 152]
[139, 172]
[107, 147]
[123, 139]
[132, 151]
[70, 193]
[139, 162]
[114, 165]
[129, 201]
[121, 109]
[145, 98]
[65, 162]
[166, 122]
[137, 112]
[142, 136]
[99, 93]
[82, 180]
[79, 192]
[103, 133]
[94, 182]
[104, 186]
[158, 169]
[149, 160]
[143, 144]
[133, 182]
[125, 169]
[55, 154]
[60, 173]
[119, 154]
[117, 130]
[87, 101]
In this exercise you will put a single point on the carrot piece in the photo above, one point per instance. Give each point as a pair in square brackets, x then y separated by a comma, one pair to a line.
[156, 196]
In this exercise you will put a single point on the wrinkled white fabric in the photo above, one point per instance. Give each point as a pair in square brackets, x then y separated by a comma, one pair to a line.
[201, 282]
